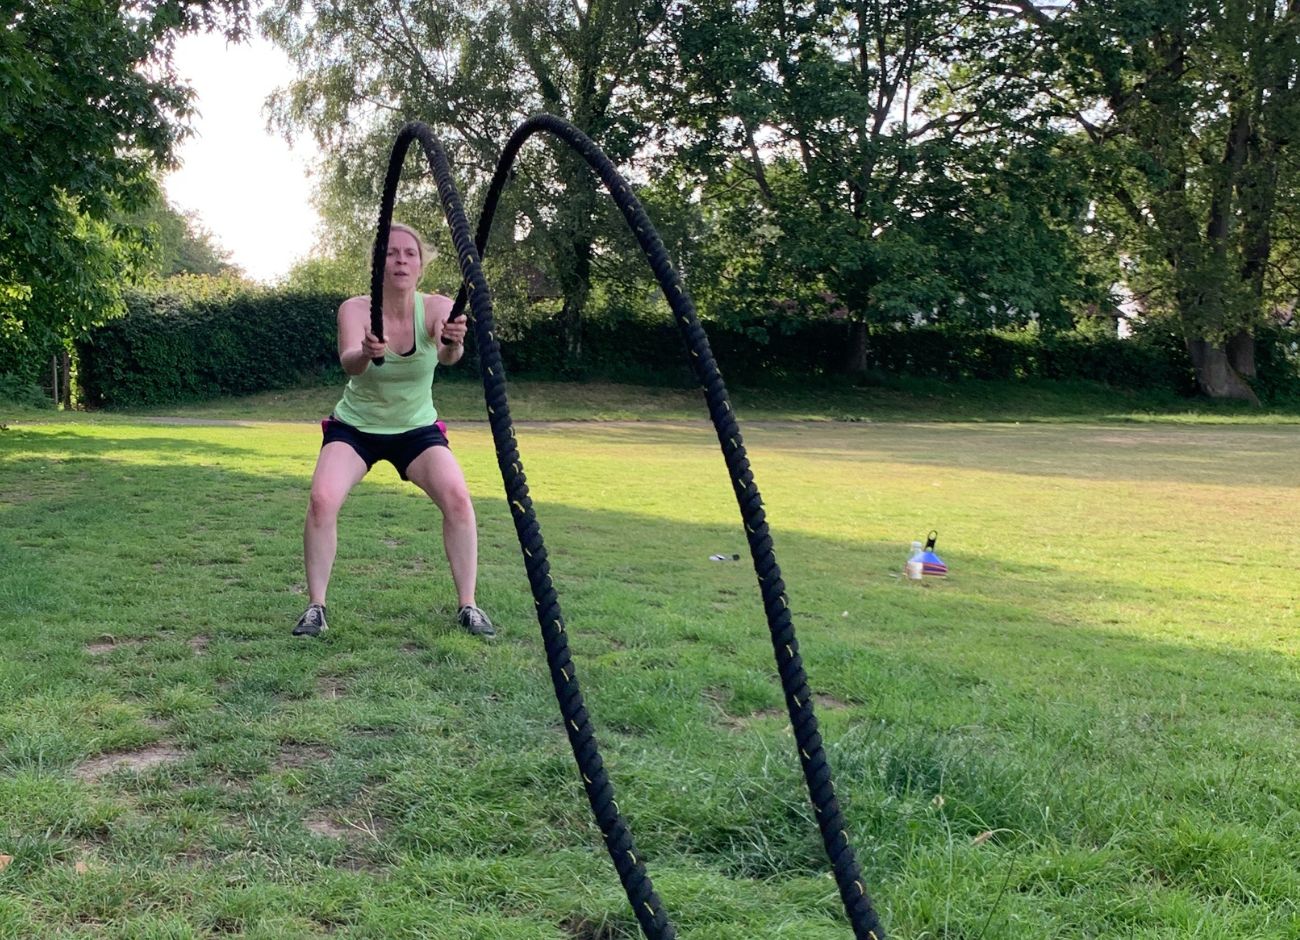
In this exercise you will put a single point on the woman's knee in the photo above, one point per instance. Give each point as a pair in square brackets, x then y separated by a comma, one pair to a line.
[324, 504]
[456, 505]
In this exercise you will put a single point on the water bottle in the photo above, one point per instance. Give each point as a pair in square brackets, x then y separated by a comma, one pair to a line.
[915, 566]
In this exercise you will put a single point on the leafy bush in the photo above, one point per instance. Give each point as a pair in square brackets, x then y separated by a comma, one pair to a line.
[206, 337]
[1277, 364]
[766, 350]
[17, 390]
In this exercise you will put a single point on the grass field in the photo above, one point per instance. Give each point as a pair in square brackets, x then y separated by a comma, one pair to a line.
[1090, 729]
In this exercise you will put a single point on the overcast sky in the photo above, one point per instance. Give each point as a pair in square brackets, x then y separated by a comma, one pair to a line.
[249, 188]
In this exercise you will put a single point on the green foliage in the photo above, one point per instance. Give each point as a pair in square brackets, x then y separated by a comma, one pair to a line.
[1192, 110]
[320, 275]
[851, 166]
[176, 242]
[767, 351]
[472, 73]
[1277, 363]
[90, 108]
[203, 337]
[16, 390]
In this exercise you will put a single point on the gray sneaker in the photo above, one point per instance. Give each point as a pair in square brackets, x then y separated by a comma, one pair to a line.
[475, 621]
[312, 622]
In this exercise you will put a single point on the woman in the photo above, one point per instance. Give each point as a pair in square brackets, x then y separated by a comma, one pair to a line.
[387, 413]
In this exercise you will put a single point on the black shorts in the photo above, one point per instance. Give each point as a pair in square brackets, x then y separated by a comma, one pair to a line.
[397, 449]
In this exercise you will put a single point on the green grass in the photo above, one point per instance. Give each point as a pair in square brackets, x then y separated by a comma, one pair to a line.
[901, 399]
[1088, 730]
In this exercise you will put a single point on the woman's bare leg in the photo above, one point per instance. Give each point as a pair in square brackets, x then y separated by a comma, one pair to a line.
[437, 473]
[338, 470]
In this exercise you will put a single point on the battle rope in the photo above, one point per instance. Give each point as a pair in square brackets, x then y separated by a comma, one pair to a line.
[618, 838]
[866, 924]
[577, 724]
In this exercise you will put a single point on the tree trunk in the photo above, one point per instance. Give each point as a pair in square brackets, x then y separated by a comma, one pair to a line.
[577, 288]
[1241, 354]
[857, 360]
[66, 363]
[1215, 375]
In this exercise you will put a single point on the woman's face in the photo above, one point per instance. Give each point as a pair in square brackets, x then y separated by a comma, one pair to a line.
[402, 269]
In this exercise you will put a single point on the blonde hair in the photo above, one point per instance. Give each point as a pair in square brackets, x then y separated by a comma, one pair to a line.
[425, 255]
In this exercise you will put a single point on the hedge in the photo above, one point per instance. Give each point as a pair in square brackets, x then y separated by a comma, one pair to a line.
[170, 348]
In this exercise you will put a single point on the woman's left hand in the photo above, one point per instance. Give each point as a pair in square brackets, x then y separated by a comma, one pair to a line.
[453, 331]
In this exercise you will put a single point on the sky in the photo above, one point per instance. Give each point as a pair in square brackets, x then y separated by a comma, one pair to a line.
[250, 189]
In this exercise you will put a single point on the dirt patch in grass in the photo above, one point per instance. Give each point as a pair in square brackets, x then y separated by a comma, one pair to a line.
[326, 827]
[106, 643]
[295, 756]
[199, 644]
[135, 761]
[331, 687]
[357, 830]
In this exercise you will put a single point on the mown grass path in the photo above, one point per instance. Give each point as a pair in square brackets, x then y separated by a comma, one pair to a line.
[1090, 729]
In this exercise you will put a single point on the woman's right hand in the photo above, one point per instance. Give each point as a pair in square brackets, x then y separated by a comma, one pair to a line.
[373, 346]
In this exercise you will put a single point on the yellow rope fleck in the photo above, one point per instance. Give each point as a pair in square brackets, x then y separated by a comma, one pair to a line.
[632, 855]
[564, 672]
[805, 754]
[574, 724]
[518, 505]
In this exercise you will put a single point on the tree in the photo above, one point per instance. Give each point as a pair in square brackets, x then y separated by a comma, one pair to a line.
[1191, 108]
[176, 242]
[91, 108]
[473, 73]
[857, 159]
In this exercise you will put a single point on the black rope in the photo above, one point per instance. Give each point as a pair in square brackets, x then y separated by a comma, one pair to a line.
[817, 774]
[577, 723]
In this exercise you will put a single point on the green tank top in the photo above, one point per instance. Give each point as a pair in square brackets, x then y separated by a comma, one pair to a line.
[398, 395]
